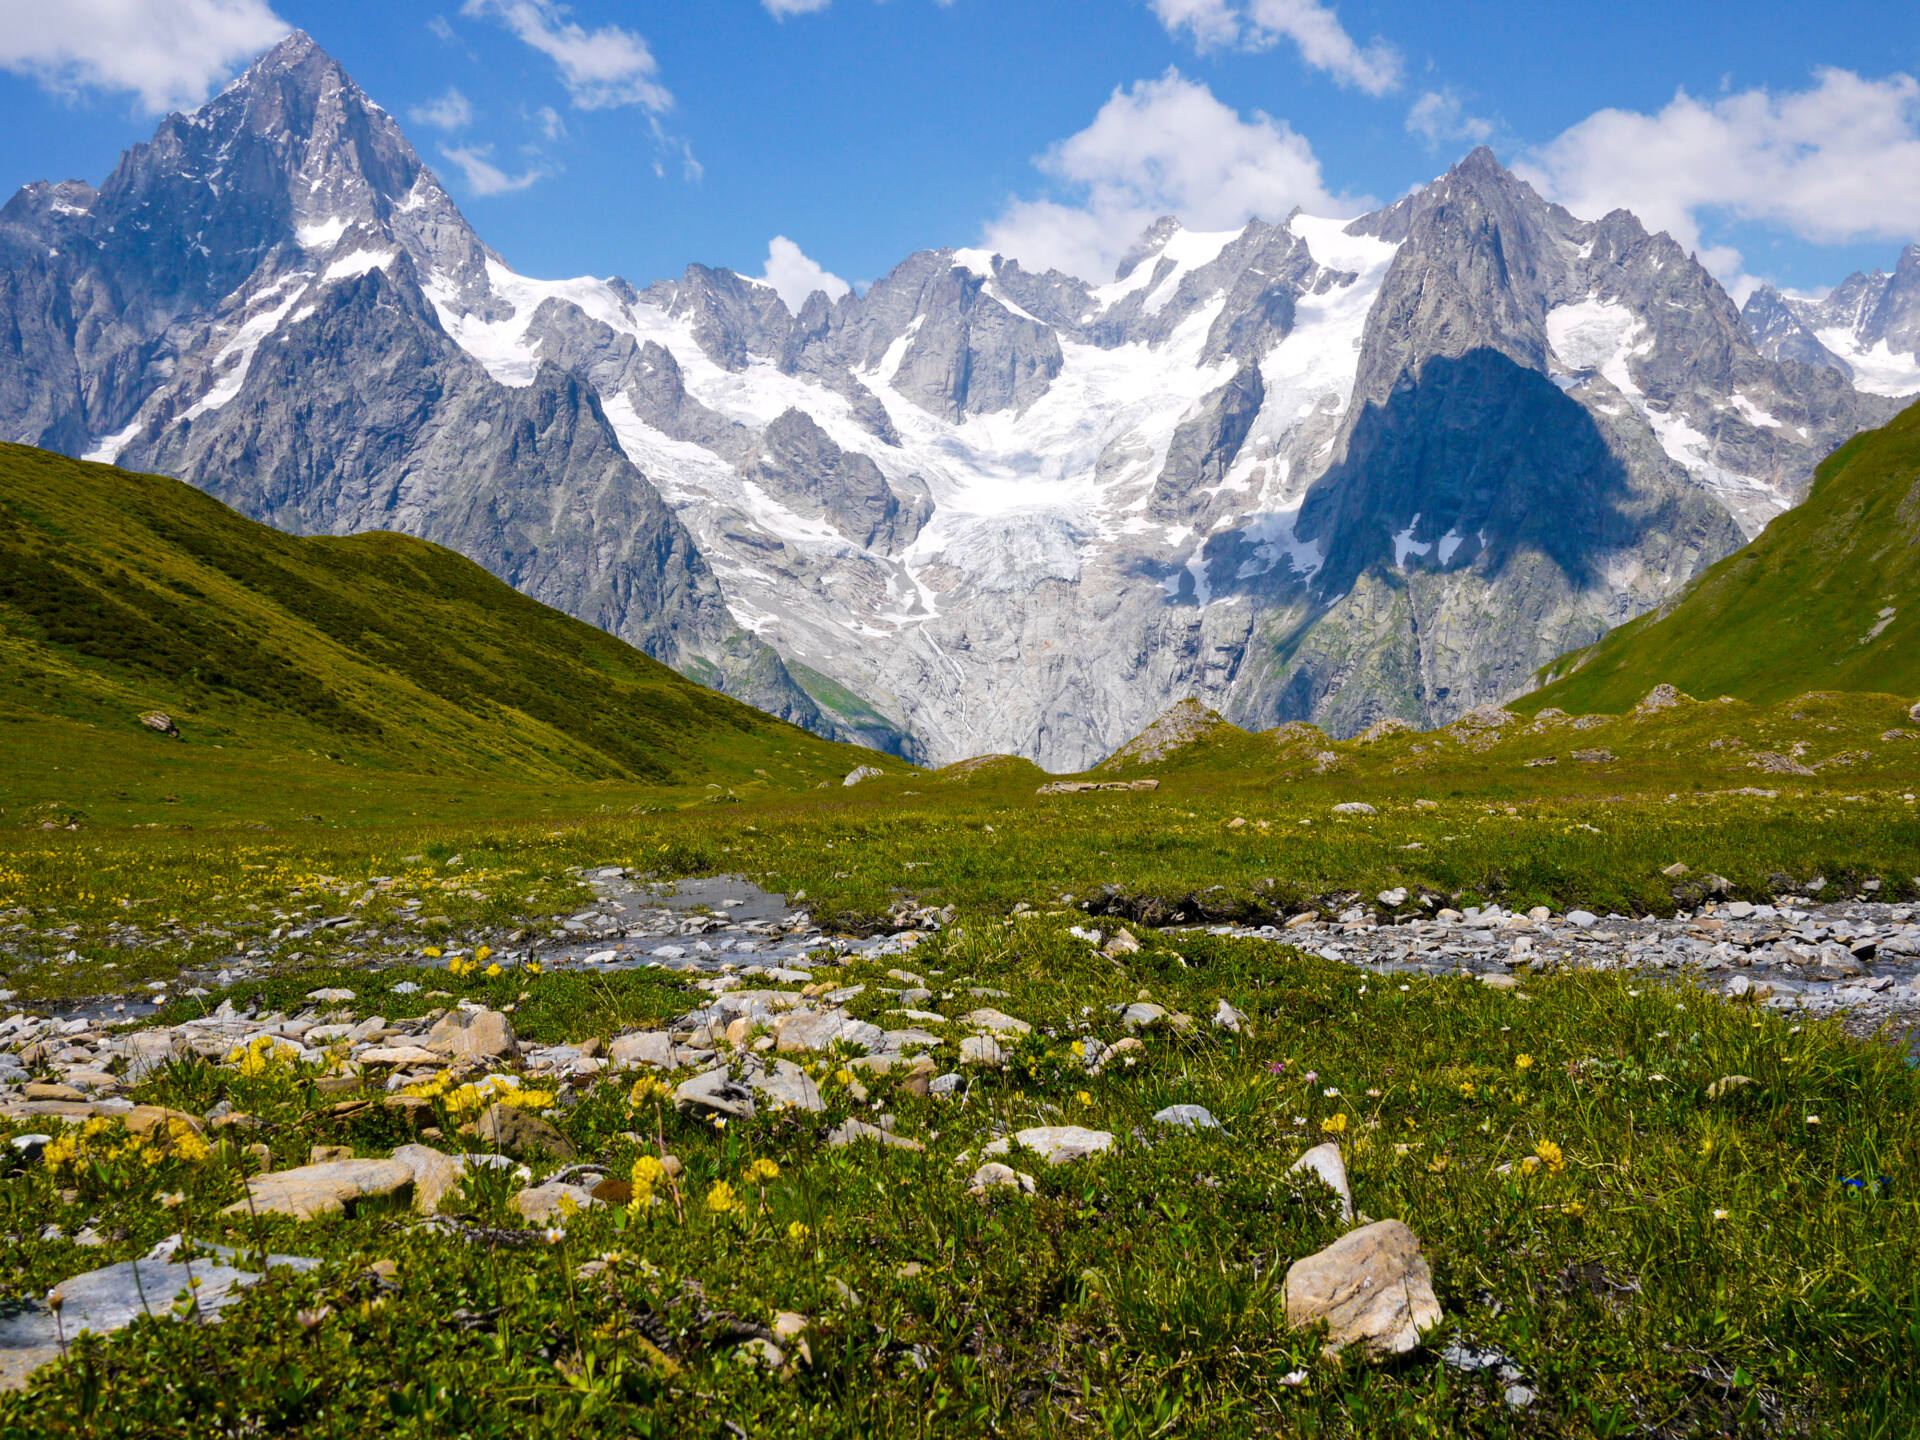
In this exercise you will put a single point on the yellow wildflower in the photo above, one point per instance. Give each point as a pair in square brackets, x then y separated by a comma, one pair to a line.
[763, 1169]
[1466, 1088]
[432, 952]
[721, 1200]
[1573, 1209]
[1523, 1062]
[494, 972]
[1334, 1124]
[482, 953]
[798, 1233]
[1550, 1156]
[648, 1171]
[1437, 1165]
[533, 967]
[1081, 1097]
[843, 1075]
[647, 1088]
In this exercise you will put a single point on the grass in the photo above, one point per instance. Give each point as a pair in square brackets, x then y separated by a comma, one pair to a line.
[1666, 1264]
[364, 676]
[1684, 1266]
[1459, 813]
[1825, 598]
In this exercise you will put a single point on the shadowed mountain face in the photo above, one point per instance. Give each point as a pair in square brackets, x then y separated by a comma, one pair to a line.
[1312, 469]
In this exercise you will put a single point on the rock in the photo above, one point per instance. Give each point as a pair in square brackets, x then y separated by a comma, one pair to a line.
[435, 1175]
[311, 1191]
[521, 1132]
[1056, 1144]
[161, 721]
[786, 1086]
[994, 1175]
[809, 1030]
[951, 1083]
[1582, 919]
[102, 1301]
[1498, 982]
[479, 1035]
[863, 772]
[1190, 1117]
[407, 1055]
[541, 1204]
[331, 997]
[645, 1047]
[1225, 1017]
[327, 1154]
[1372, 1287]
[1123, 943]
[1353, 807]
[714, 1093]
[1143, 1015]
[996, 1021]
[40, 1090]
[1393, 897]
[850, 1130]
[1738, 986]
[1326, 1163]
[979, 1050]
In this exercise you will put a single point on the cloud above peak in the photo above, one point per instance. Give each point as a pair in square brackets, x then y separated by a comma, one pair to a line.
[1159, 147]
[1836, 162]
[794, 276]
[1315, 29]
[602, 68]
[167, 53]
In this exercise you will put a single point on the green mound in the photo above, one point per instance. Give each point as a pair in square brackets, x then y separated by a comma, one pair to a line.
[123, 594]
[1827, 598]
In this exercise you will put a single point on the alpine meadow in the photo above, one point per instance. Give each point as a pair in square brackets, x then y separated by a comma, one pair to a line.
[1235, 810]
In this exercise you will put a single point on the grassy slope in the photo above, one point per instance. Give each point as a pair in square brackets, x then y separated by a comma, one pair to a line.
[304, 664]
[1791, 612]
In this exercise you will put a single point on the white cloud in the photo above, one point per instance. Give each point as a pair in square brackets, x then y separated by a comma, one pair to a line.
[483, 177]
[1165, 146]
[1836, 162]
[601, 68]
[780, 9]
[1438, 117]
[794, 277]
[1315, 28]
[169, 53]
[451, 111]
[549, 122]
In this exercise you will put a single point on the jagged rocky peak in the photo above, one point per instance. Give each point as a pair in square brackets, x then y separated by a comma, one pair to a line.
[1867, 327]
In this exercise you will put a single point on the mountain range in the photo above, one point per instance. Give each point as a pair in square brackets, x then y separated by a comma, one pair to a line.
[1322, 469]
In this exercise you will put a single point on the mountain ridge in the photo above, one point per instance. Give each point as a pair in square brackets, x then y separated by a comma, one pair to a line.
[991, 510]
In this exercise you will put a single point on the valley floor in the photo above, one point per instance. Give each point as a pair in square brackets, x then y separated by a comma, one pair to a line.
[935, 1105]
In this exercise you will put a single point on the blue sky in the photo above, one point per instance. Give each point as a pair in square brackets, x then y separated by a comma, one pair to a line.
[629, 138]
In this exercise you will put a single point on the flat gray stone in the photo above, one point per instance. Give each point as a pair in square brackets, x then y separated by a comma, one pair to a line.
[1190, 1117]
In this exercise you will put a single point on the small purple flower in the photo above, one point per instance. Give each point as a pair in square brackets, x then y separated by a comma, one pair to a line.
[1311, 1076]
[1278, 1067]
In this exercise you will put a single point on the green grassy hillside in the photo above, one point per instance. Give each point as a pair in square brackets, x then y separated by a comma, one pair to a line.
[1827, 598]
[301, 665]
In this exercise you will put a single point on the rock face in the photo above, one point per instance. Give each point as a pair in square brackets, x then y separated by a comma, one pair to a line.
[1308, 470]
[1371, 1286]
